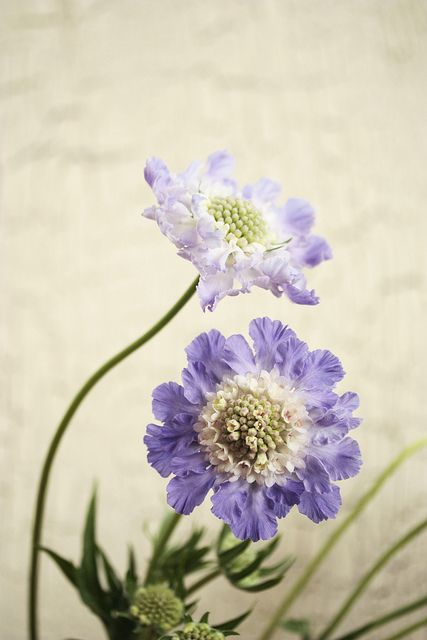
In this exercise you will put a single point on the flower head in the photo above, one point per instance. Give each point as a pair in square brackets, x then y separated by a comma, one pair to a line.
[236, 238]
[200, 631]
[263, 429]
[157, 606]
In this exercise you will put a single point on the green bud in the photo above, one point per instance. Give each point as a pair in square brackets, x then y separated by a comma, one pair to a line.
[156, 606]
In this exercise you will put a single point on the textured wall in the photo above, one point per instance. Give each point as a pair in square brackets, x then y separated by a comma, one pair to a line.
[328, 97]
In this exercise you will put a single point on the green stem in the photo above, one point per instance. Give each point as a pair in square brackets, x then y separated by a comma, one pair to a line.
[53, 447]
[366, 579]
[388, 617]
[330, 542]
[407, 630]
[201, 583]
[164, 534]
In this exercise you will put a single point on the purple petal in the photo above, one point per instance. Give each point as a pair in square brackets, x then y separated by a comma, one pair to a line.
[312, 251]
[341, 460]
[321, 370]
[169, 400]
[285, 497]
[163, 443]
[197, 382]
[239, 355]
[220, 165]
[208, 348]
[212, 289]
[320, 507]
[314, 475]
[293, 354]
[267, 335]
[263, 191]
[246, 509]
[187, 492]
[155, 169]
[297, 217]
[301, 296]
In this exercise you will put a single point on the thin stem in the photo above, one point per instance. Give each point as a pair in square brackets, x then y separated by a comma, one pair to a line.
[388, 617]
[161, 542]
[330, 542]
[53, 447]
[369, 575]
[201, 583]
[407, 630]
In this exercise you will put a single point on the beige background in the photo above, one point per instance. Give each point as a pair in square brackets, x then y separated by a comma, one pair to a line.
[329, 98]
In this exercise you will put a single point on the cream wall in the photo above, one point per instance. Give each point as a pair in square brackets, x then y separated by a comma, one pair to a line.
[327, 97]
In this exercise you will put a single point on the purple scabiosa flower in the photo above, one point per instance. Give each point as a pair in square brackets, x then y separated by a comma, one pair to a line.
[236, 238]
[263, 429]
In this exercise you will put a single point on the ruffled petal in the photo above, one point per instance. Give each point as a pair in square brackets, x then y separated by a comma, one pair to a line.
[297, 217]
[238, 355]
[311, 252]
[321, 370]
[246, 509]
[264, 191]
[267, 336]
[212, 289]
[208, 348]
[292, 355]
[320, 507]
[341, 460]
[197, 382]
[169, 401]
[301, 296]
[314, 476]
[285, 496]
[187, 492]
[220, 165]
[164, 443]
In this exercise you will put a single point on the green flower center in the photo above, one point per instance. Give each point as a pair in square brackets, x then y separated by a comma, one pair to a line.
[157, 606]
[200, 631]
[251, 426]
[243, 222]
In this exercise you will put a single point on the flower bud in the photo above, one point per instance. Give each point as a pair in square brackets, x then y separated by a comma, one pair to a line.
[156, 606]
[200, 631]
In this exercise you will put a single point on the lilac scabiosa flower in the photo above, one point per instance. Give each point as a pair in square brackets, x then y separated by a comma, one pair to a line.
[263, 429]
[236, 238]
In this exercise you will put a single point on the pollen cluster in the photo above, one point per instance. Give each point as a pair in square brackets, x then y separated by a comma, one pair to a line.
[157, 606]
[243, 223]
[200, 631]
[254, 426]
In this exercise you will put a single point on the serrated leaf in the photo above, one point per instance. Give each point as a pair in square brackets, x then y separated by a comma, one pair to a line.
[66, 566]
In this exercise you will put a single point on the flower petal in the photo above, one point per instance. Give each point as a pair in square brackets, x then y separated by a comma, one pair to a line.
[285, 496]
[164, 443]
[314, 475]
[247, 510]
[321, 370]
[197, 382]
[341, 460]
[208, 348]
[169, 400]
[297, 217]
[239, 355]
[187, 492]
[320, 507]
[267, 335]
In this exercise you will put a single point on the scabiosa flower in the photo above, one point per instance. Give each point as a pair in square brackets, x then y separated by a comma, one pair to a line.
[236, 238]
[263, 429]
[157, 606]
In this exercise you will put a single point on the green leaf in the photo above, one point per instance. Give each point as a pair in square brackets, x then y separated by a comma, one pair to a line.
[88, 579]
[234, 622]
[300, 627]
[253, 566]
[205, 617]
[113, 581]
[131, 577]
[261, 586]
[225, 557]
[66, 566]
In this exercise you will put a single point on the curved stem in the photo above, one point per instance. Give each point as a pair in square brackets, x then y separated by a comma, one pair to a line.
[366, 579]
[164, 534]
[388, 617]
[62, 427]
[407, 630]
[330, 542]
